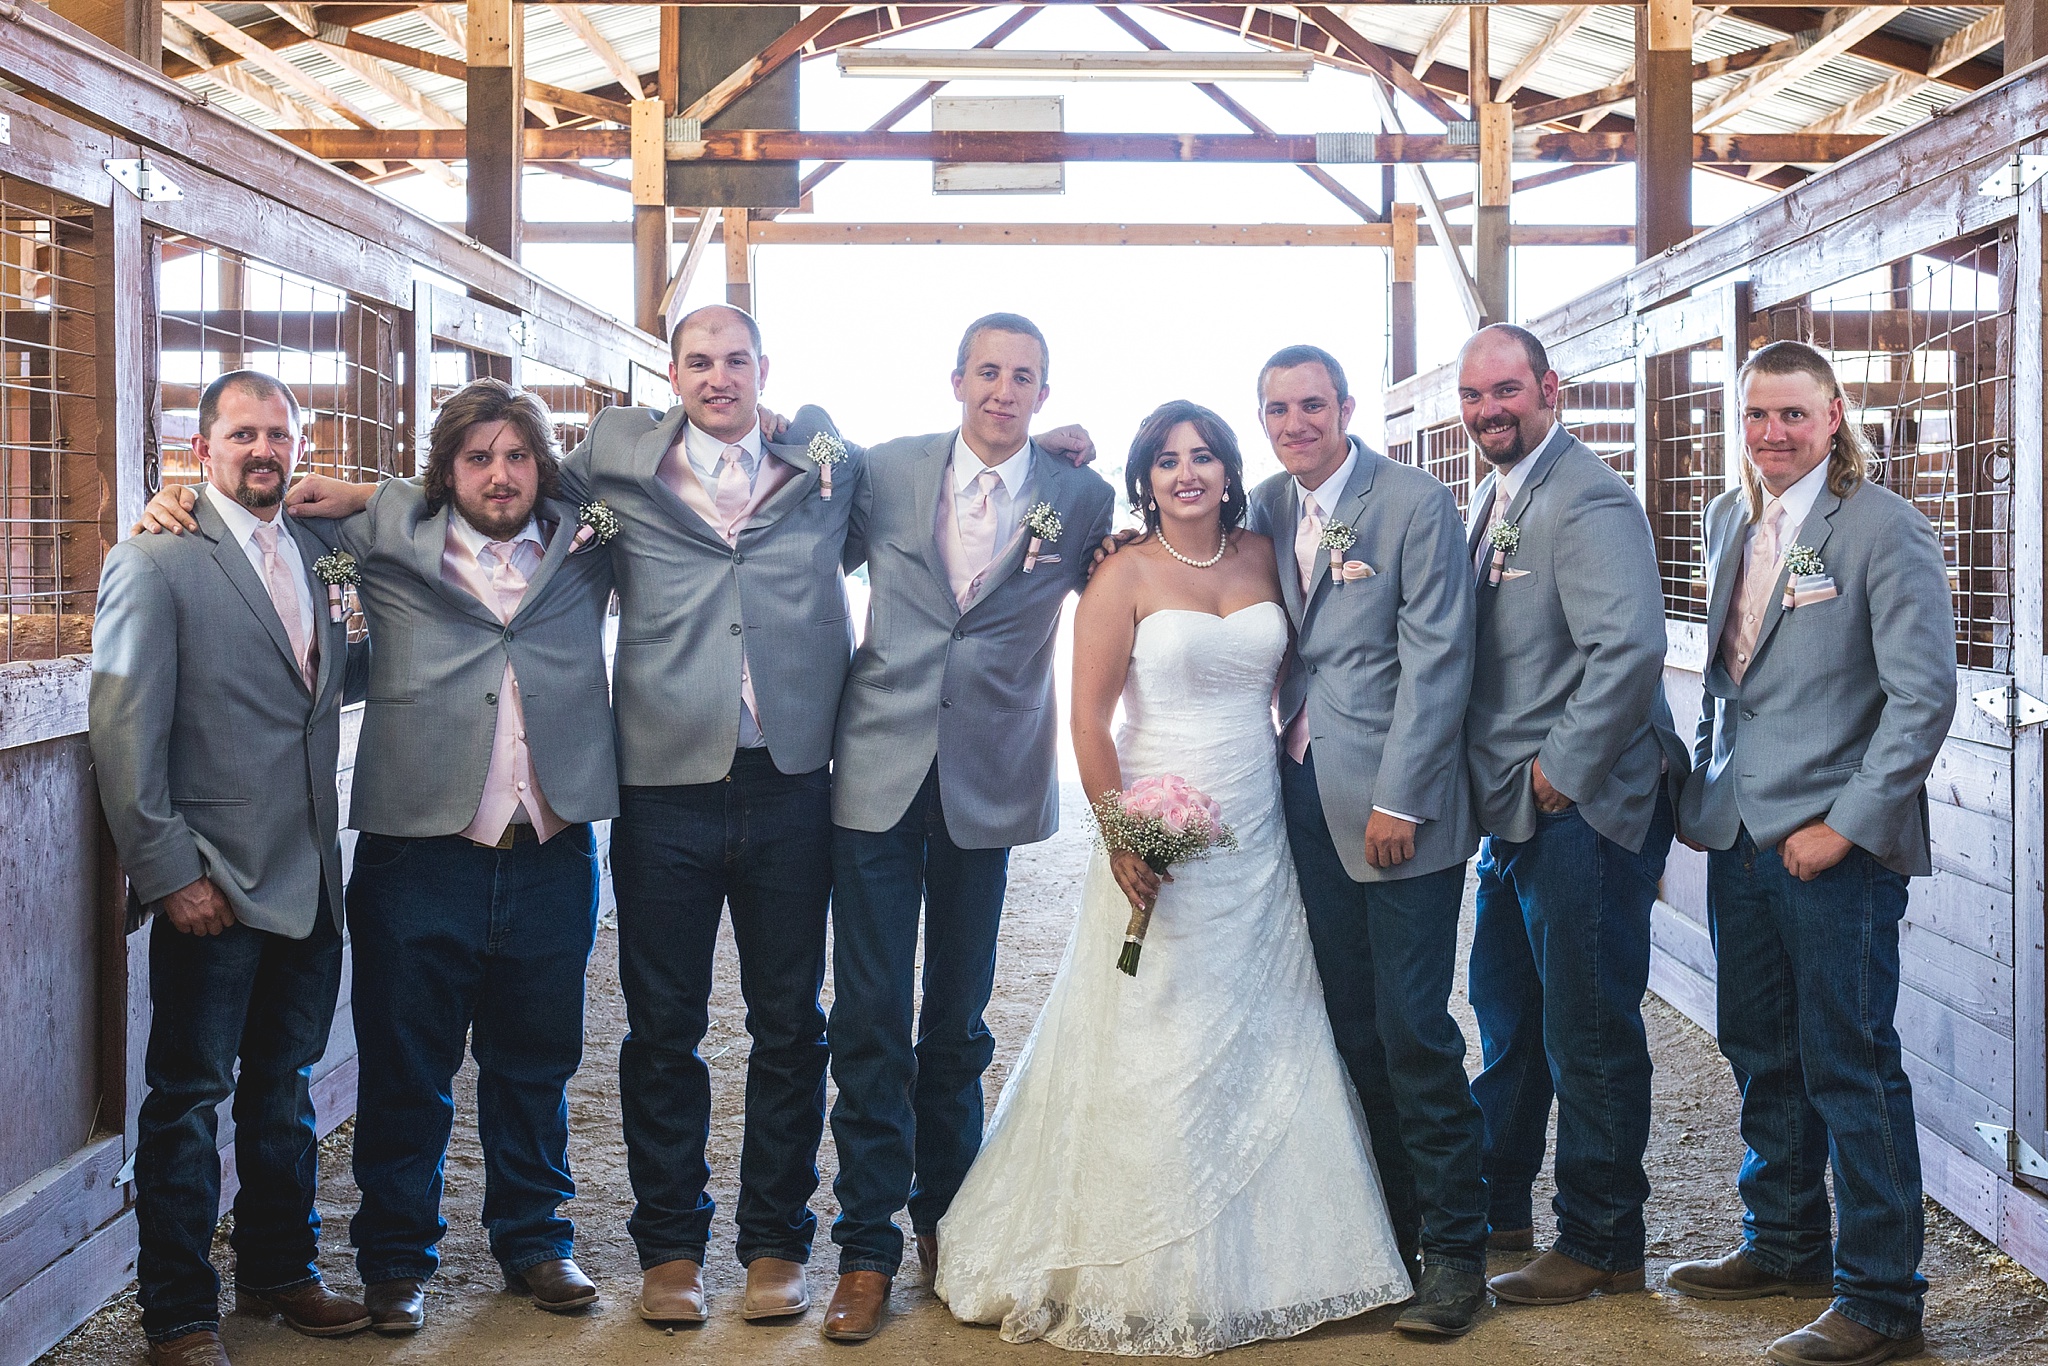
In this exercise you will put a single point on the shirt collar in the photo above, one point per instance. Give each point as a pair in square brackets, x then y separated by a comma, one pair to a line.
[242, 523]
[704, 449]
[967, 465]
[1798, 500]
[1514, 476]
[1330, 492]
[474, 541]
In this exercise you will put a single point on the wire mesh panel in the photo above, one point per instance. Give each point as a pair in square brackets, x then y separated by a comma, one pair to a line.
[50, 487]
[338, 353]
[574, 402]
[1921, 348]
[1446, 452]
[1600, 409]
[1686, 470]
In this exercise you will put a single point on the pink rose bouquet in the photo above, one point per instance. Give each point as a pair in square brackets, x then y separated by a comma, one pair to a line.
[1164, 820]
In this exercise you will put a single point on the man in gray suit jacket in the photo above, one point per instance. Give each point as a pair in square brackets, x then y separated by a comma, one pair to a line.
[217, 678]
[1372, 774]
[1828, 695]
[1568, 736]
[945, 758]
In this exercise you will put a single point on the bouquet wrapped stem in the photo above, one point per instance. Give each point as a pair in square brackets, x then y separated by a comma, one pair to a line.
[1163, 821]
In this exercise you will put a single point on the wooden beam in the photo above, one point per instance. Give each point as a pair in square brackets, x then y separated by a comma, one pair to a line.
[494, 144]
[796, 233]
[782, 144]
[1526, 183]
[1623, 91]
[1568, 23]
[650, 263]
[863, 26]
[407, 97]
[1491, 259]
[751, 72]
[579, 23]
[1663, 125]
[694, 252]
[454, 68]
[204, 20]
[1425, 58]
[1842, 29]
[1401, 291]
[280, 106]
[133, 26]
[1879, 49]
[185, 42]
[739, 261]
[1479, 57]
[1951, 52]
[1363, 50]
[1230, 106]
[1454, 260]
[297, 15]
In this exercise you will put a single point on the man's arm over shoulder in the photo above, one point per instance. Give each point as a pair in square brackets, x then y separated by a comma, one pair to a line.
[1435, 641]
[1913, 638]
[133, 699]
[1613, 600]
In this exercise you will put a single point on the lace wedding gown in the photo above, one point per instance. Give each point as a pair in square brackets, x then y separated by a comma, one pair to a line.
[1178, 1164]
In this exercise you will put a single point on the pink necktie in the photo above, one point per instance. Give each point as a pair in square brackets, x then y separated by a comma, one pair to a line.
[277, 577]
[977, 533]
[735, 487]
[1753, 591]
[507, 578]
[1496, 511]
[1307, 545]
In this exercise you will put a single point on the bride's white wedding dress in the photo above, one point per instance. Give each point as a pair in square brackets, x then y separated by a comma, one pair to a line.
[1178, 1164]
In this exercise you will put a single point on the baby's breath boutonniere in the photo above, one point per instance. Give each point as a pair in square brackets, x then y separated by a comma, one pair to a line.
[825, 451]
[596, 525]
[1337, 538]
[1802, 560]
[1043, 522]
[337, 569]
[1506, 539]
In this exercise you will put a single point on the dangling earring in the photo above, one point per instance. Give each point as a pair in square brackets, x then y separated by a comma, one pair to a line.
[1226, 493]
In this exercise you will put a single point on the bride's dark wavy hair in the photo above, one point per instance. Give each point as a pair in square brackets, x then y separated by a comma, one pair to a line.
[1151, 439]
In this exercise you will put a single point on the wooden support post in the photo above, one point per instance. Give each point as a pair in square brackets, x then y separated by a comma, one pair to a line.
[1491, 255]
[739, 260]
[126, 361]
[134, 26]
[1478, 83]
[2026, 32]
[1663, 126]
[2029, 300]
[1401, 293]
[497, 122]
[650, 215]
[419, 377]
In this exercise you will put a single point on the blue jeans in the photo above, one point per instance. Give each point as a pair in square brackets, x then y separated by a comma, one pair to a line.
[1560, 962]
[268, 1002]
[908, 1113]
[760, 841]
[1387, 953]
[455, 943]
[1807, 982]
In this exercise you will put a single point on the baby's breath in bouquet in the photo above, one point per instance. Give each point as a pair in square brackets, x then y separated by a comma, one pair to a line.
[1163, 820]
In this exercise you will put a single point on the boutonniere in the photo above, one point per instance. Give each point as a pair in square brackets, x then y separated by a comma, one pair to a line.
[596, 525]
[1802, 560]
[825, 451]
[1506, 539]
[1337, 538]
[1043, 522]
[337, 569]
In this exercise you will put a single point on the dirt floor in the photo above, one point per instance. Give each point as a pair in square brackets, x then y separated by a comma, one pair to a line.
[1982, 1307]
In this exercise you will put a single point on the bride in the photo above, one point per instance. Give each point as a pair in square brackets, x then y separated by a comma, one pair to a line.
[1178, 1164]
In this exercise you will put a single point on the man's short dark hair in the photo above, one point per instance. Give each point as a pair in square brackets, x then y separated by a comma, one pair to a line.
[1539, 359]
[1005, 322]
[1287, 357]
[253, 382]
[675, 338]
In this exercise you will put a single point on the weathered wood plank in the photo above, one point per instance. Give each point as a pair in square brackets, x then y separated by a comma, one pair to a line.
[1972, 845]
[1683, 939]
[38, 1316]
[1683, 989]
[43, 699]
[1966, 1187]
[2023, 1227]
[1960, 1047]
[1969, 983]
[47, 1216]
[1973, 776]
[46, 148]
[1684, 888]
[1949, 1107]
[1963, 912]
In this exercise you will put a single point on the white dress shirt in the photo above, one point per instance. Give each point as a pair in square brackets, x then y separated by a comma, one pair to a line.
[1794, 506]
[242, 524]
[706, 452]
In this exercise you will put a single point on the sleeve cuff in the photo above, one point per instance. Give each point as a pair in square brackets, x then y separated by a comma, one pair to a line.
[1399, 815]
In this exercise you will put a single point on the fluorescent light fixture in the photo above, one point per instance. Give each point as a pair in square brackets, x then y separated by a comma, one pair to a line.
[1000, 65]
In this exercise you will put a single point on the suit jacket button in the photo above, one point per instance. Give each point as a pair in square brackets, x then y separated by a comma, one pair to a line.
[491, 698]
[508, 637]
[735, 628]
[1311, 668]
[1749, 716]
[737, 558]
[946, 702]
[959, 635]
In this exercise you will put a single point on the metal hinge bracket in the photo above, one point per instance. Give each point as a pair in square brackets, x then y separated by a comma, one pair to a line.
[2011, 708]
[2018, 1155]
[143, 180]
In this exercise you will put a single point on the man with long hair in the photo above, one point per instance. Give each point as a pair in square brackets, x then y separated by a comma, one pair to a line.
[1828, 694]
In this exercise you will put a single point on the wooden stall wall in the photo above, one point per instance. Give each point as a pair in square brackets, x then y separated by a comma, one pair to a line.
[1925, 286]
[113, 313]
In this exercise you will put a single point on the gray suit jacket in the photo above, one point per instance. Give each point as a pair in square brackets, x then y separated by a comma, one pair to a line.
[1383, 664]
[439, 661]
[1846, 701]
[973, 690]
[1570, 662]
[213, 760]
[687, 600]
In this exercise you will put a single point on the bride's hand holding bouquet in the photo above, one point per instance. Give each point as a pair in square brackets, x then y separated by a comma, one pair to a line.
[1148, 827]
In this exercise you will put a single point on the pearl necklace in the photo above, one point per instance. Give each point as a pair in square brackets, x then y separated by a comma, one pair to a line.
[1222, 544]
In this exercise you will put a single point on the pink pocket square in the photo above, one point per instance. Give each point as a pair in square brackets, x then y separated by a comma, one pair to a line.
[1807, 589]
[1356, 569]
